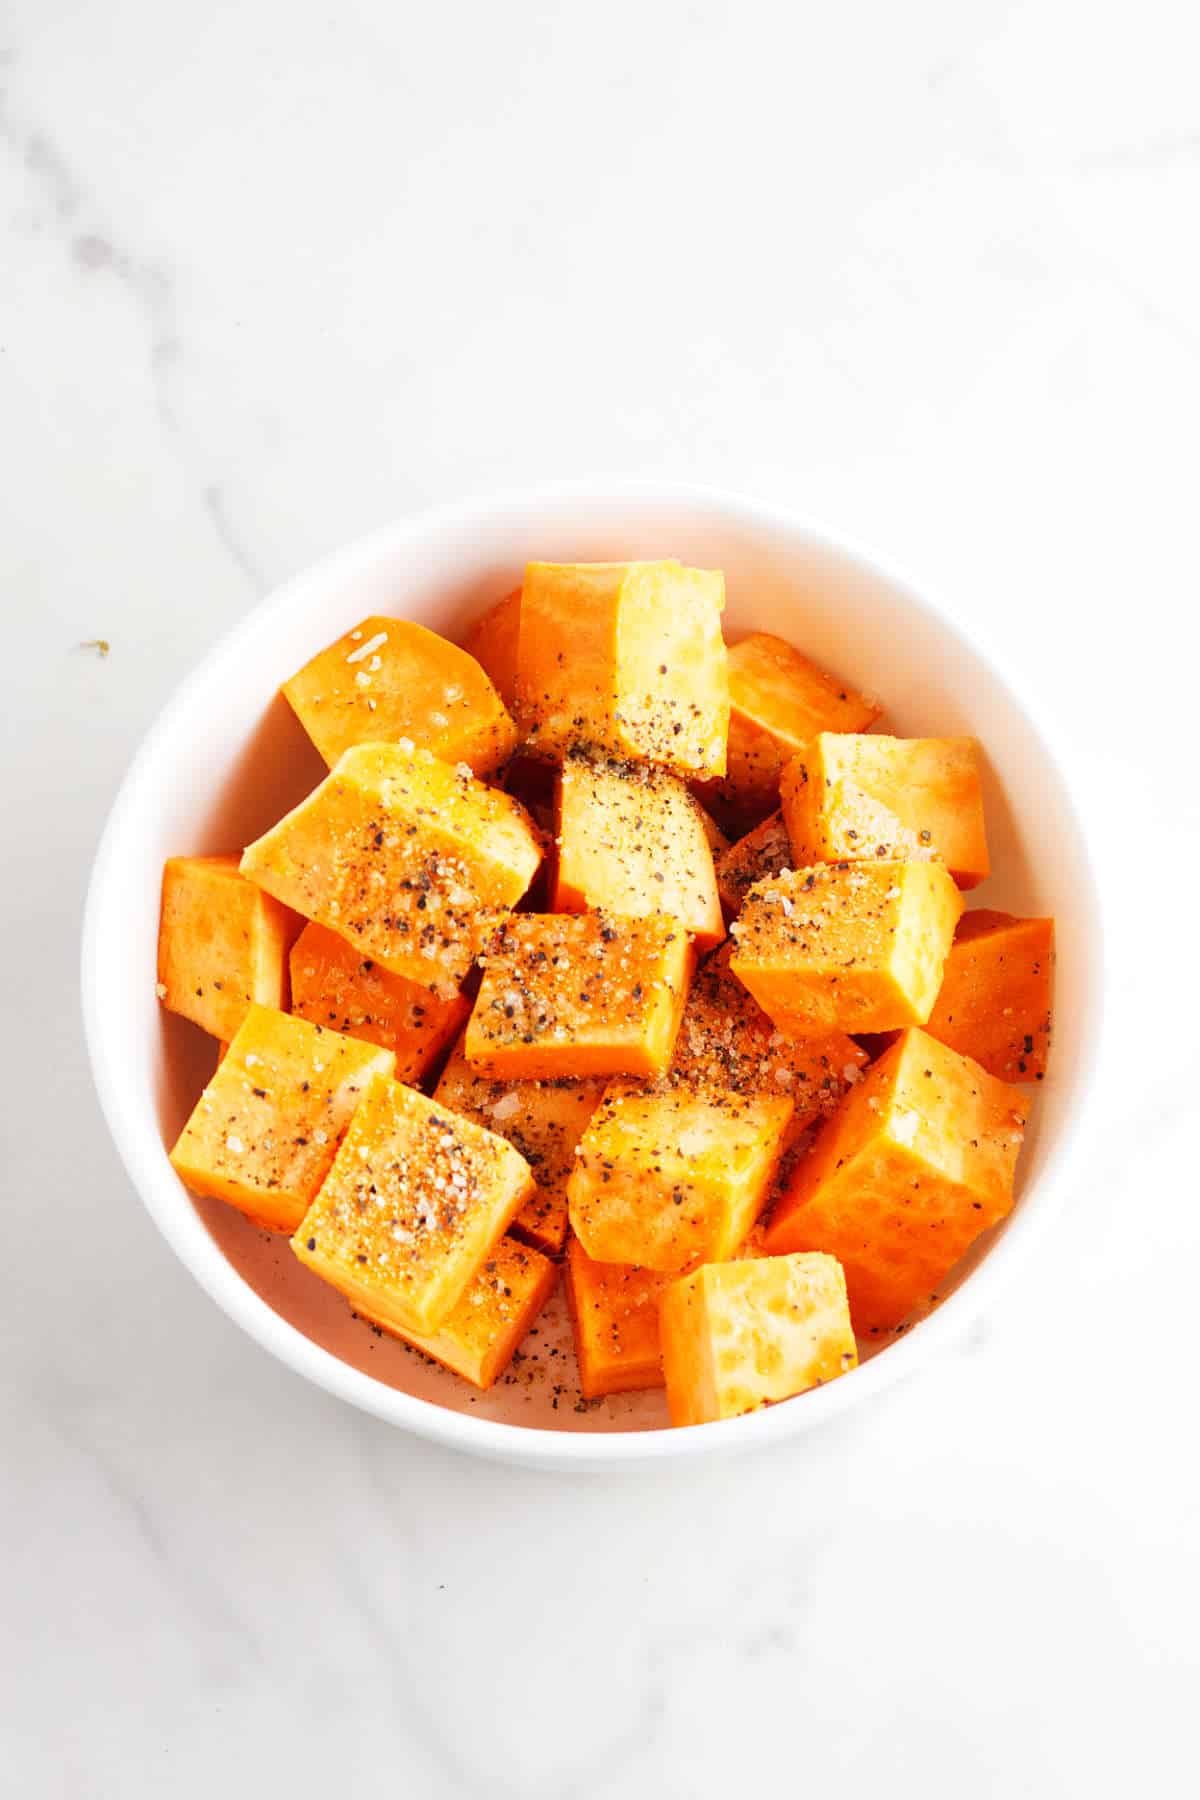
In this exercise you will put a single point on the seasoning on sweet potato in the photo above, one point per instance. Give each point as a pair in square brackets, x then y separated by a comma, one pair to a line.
[222, 943]
[498, 1305]
[666, 1176]
[778, 700]
[625, 659]
[390, 678]
[915, 1163]
[847, 946]
[407, 858]
[492, 641]
[413, 1206]
[614, 1315]
[579, 994]
[543, 1119]
[995, 1000]
[740, 1335]
[763, 852]
[631, 840]
[264, 1131]
[850, 798]
[334, 984]
[727, 1044]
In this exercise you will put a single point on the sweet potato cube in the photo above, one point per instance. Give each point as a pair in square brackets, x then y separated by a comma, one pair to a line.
[498, 1306]
[717, 842]
[334, 984]
[666, 1177]
[625, 658]
[390, 678]
[631, 840]
[492, 641]
[407, 858]
[222, 943]
[995, 1000]
[740, 1335]
[915, 1163]
[579, 994]
[728, 1045]
[778, 701]
[763, 852]
[265, 1130]
[543, 1119]
[852, 798]
[847, 946]
[614, 1314]
[413, 1206]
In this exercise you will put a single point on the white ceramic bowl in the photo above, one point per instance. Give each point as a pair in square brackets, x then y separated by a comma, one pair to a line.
[226, 758]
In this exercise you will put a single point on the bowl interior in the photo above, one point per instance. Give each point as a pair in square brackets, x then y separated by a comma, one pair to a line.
[227, 758]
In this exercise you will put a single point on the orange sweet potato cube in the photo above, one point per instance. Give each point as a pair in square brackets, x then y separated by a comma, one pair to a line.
[543, 1119]
[407, 858]
[412, 1208]
[847, 946]
[728, 1045]
[498, 1305]
[625, 659]
[492, 641]
[579, 994]
[915, 1163]
[666, 1176]
[614, 1315]
[265, 1130]
[763, 852]
[222, 943]
[778, 701]
[995, 1000]
[717, 842]
[740, 1335]
[334, 984]
[389, 679]
[852, 798]
[631, 839]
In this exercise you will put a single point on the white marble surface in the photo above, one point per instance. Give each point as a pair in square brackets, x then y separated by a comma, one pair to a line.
[272, 273]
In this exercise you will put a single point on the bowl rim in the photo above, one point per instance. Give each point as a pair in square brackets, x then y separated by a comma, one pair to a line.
[534, 1445]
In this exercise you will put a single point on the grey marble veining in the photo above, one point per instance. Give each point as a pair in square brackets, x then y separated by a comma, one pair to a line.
[270, 275]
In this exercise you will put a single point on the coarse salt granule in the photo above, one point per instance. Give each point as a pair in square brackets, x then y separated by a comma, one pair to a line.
[372, 644]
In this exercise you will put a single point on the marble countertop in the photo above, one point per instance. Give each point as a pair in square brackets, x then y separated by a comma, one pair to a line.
[273, 274]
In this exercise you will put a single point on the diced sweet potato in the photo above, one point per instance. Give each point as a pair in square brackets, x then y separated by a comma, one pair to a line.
[717, 842]
[778, 701]
[625, 659]
[413, 1206]
[847, 946]
[222, 943]
[614, 1313]
[740, 1335]
[666, 1177]
[407, 858]
[334, 984]
[994, 1003]
[853, 798]
[389, 679]
[266, 1128]
[728, 1045]
[631, 840]
[579, 994]
[492, 641]
[498, 1306]
[763, 852]
[543, 1119]
[915, 1163]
